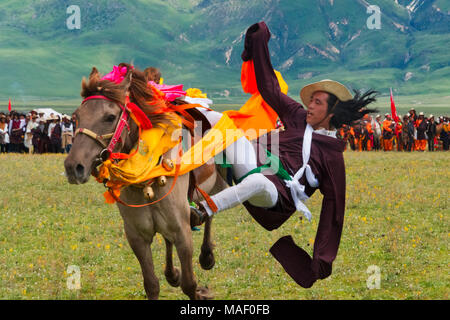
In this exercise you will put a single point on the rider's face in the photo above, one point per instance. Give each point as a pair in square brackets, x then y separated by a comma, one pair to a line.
[317, 116]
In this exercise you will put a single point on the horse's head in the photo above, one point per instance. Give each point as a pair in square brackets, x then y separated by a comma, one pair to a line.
[103, 111]
[97, 120]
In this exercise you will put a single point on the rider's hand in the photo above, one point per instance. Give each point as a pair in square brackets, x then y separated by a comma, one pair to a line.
[253, 30]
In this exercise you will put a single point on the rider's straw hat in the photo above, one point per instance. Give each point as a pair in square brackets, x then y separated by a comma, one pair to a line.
[329, 86]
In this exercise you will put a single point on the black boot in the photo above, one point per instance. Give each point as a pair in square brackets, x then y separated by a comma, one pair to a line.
[198, 215]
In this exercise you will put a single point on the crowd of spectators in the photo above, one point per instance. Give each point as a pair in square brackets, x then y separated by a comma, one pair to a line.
[412, 132]
[35, 133]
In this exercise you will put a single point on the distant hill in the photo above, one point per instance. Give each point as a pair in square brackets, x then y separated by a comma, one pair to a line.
[198, 43]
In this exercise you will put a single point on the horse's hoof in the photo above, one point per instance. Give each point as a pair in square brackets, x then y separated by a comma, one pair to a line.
[207, 260]
[174, 279]
[203, 294]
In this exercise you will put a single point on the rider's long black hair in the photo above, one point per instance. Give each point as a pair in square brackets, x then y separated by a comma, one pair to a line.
[349, 111]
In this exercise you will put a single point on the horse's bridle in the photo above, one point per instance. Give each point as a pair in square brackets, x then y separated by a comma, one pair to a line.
[106, 153]
[103, 139]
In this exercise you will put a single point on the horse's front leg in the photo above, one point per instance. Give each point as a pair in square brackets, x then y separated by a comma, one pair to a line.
[142, 249]
[184, 246]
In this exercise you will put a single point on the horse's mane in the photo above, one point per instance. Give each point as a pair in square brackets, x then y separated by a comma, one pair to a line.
[140, 93]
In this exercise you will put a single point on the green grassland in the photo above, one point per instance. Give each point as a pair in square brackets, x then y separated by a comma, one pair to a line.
[396, 218]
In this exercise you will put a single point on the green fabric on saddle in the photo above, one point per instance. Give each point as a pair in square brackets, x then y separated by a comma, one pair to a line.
[227, 166]
[224, 164]
[273, 163]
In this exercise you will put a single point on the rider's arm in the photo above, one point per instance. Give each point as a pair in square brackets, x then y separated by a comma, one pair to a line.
[256, 48]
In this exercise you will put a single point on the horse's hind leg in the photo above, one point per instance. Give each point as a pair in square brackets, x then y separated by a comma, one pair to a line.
[143, 252]
[206, 257]
[172, 274]
[214, 184]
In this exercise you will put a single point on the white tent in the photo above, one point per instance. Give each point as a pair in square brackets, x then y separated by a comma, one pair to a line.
[47, 112]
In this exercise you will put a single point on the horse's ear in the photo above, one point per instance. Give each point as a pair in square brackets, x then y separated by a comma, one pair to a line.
[84, 85]
[94, 73]
[126, 82]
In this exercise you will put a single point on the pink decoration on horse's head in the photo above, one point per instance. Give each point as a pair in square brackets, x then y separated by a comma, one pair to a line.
[116, 75]
[171, 91]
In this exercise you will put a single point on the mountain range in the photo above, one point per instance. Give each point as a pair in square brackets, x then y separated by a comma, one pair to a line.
[199, 42]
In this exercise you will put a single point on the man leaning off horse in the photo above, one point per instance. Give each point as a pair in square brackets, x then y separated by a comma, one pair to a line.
[311, 158]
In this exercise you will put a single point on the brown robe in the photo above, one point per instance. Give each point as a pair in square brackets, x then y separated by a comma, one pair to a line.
[326, 161]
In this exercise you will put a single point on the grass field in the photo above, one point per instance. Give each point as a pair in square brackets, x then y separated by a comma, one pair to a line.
[396, 219]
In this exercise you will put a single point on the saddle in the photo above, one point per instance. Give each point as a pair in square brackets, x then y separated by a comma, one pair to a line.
[200, 174]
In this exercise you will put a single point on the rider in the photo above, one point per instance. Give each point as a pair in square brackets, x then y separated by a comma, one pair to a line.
[272, 197]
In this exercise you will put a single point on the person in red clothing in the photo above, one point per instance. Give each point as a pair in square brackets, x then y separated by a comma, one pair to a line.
[358, 128]
[398, 135]
[388, 133]
[421, 126]
[352, 139]
[309, 158]
[368, 134]
[343, 134]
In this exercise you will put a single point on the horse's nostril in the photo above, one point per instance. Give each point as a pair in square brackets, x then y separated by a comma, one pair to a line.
[79, 171]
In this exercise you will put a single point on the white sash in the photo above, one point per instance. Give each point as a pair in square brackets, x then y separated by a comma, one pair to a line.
[297, 189]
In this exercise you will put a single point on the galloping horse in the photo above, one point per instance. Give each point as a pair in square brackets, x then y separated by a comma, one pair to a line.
[99, 115]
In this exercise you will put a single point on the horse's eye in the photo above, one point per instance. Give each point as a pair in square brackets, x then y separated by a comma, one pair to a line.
[110, 118]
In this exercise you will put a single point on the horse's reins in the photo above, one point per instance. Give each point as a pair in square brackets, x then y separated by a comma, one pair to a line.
[115, 137]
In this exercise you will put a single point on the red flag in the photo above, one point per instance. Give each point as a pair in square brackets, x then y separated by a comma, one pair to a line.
[9, 105]
[393, 109]
[395, 116]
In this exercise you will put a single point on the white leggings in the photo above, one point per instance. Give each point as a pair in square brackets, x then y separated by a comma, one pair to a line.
[255, 188]
[241, 154]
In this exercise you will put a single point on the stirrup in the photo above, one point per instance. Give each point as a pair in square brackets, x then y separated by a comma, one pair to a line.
[202, 215]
